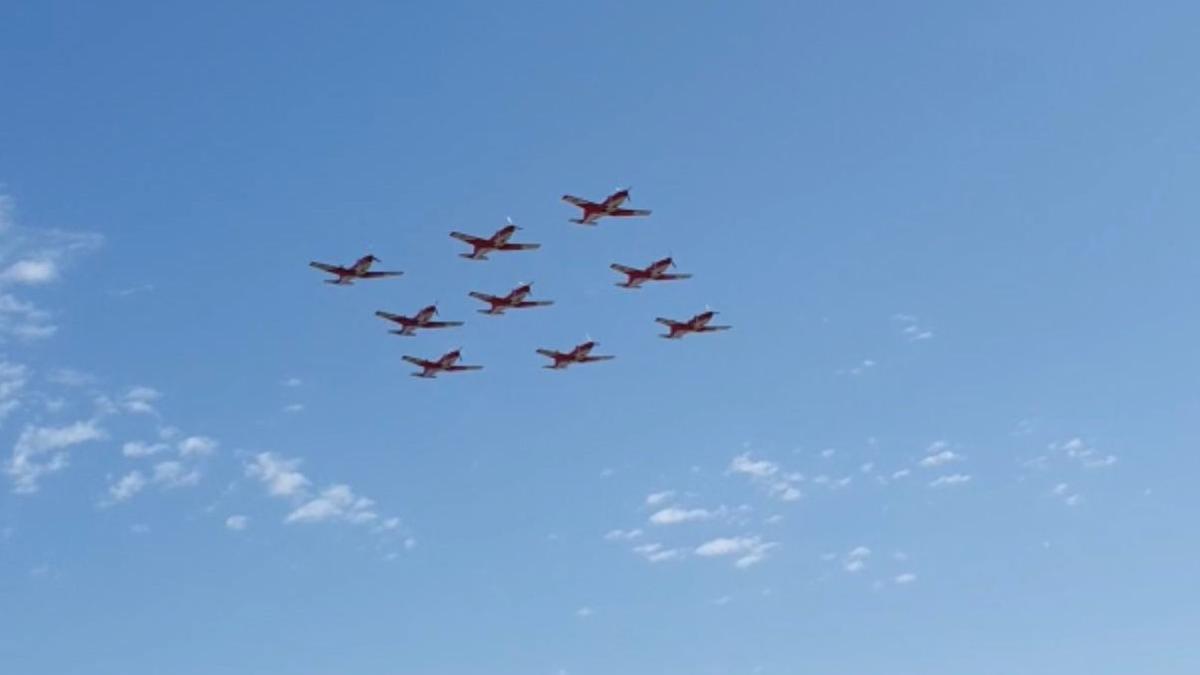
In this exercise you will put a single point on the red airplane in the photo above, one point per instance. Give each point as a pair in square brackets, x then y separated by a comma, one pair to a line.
[580, 354]
[359, 270]
[655, 271]
[611, 206]
[514, 300]
[481, 246]
[422, 319]
[447, 363]
[696, 324]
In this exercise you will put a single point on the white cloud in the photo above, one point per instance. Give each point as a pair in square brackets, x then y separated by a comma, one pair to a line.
[293, 408]
[911, 329]
[129, 485]
[940, 458]
[673, 515]
[197, 446]
[656, 498]
[622, 535]
[950, 479]
[584, 612]
[137, 449]
[172, 474]
[337, 502]
[141, 400]
[278, 474]
[237, 522]
[24, 320]
[292, 382]
[655, 553]
[905, 578]
[778, 484]
[749, 550]
[31, 272]
[43, 450]
[897, 475]
[855, 566]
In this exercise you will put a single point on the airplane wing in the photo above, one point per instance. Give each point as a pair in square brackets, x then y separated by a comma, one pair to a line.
[472, 240]
[388, 315]
[419, 362]
[589, 359]
[550, 353]
[379, 275]
[534, 303]
[519, 247]
[441, 324]
[459, 369]
[667, 322]
[484, 296]
[326, 267]
[709, 329]
[672, 277]
[579, 201]
[629, 212]
[625, 269]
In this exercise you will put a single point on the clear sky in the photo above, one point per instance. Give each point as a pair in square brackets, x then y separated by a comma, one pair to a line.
[953, 431]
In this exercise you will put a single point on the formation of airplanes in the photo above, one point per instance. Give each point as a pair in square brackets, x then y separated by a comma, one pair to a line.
[518, 298]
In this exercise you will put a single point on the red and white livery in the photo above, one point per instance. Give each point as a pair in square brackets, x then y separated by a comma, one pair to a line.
[696, 324]
[582, 353]
[482, 246]
[361, 269]
[655, 271]
[421, 320]
[611, 206]
[447, 363]
[515, 299]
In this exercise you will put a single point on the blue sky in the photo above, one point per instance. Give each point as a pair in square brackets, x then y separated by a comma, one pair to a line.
[953, 430]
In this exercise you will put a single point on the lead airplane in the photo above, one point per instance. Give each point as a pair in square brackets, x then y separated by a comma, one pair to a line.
[582, 353]
[696, 324]
[655, 271]
[515, 299]
[447, 363]
[482, 246]
[611, 206]
[422, 319]
[361, 269]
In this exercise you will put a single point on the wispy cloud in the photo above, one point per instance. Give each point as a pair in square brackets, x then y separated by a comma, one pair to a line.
[656, 498]
[748, 550]
[674, 515]
[911, 328]
[278, 474]
[778, 483]
[43, 450]
[237, 522]
[337, 502]
[950, 479]
[655, 552]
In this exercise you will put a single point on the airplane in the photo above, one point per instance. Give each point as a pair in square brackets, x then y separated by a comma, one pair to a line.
[447, 363]
[580, 354]
[611, 206]
[359, 270]
[422, 319]
[696, 324]
[655, 271]
[514, 300]
[481, 247]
